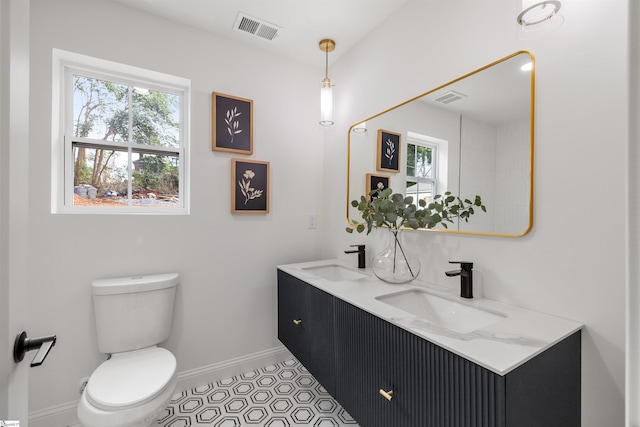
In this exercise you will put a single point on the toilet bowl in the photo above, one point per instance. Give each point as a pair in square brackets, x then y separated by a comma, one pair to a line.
[134, 385]
[130, 389]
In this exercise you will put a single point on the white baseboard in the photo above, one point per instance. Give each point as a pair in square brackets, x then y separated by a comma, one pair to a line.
[230, 368]
[64, 415]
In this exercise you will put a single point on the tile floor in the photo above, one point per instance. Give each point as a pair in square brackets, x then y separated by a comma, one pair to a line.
[281, 395]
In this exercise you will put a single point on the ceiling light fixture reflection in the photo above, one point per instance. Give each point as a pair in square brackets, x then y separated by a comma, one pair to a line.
[360, 127]
[527, 67]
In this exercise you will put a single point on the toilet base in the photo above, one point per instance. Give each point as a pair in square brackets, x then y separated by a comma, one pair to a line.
[141, 416]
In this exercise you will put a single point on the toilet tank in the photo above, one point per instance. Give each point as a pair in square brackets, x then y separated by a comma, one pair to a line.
[133, 312]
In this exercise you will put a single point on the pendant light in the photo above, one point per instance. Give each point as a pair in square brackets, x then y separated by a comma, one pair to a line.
[326, 91]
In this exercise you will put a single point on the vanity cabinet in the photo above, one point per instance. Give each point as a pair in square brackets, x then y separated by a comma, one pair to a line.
[355, 355]
[428, 386]
[305, 327]
[432, 387]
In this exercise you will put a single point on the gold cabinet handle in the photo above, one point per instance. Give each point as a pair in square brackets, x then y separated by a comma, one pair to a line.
[297, 321]
[387, 394]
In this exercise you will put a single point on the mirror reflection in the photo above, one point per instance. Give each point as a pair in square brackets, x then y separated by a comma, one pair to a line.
[472, 136]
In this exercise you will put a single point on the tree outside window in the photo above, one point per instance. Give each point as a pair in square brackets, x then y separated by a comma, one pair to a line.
[126, 144]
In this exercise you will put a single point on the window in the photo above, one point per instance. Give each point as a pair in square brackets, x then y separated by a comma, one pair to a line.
[124, 142]
[421, 170]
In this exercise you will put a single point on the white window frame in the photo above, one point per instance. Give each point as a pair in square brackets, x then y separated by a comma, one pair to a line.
[434, 164]
[65, 64]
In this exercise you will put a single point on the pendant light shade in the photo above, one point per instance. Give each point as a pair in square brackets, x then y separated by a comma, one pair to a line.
[326, 90]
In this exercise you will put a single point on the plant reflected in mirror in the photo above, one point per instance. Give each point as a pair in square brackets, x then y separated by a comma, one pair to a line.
[386, 209]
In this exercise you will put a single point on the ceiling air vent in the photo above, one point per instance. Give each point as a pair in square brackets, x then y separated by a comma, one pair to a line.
[450, 97]
[256, 27]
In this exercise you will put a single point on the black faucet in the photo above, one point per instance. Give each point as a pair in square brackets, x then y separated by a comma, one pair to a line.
[466, 277]
[360, 252]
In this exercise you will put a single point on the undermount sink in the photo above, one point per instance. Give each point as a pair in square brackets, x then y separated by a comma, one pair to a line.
[440, 311]
[334, 272]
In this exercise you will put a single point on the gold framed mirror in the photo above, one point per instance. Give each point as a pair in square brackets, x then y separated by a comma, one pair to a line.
[471, 136]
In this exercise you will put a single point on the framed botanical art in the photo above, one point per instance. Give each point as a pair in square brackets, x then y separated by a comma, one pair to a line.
[250, 190]
[232, 124]
[388, 152]
[375, 181]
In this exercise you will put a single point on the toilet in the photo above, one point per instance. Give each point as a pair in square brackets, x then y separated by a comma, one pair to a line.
[135, 384]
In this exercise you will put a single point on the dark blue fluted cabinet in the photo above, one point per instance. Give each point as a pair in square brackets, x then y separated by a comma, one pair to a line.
[356, 354]
[431, 386]
[305, 327]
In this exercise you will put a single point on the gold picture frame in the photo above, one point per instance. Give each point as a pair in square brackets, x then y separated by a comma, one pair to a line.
[232, 123]
[388, 152]
[250, 186]
[372, 181]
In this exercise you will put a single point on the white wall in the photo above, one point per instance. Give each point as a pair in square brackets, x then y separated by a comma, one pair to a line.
[633, 241]
[14, 204]
[572, 263]
[226, 303]
[512, 175]
[5, 364]
[478, 171]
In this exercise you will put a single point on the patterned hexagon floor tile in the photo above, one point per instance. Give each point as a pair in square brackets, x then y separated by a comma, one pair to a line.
[281, 395]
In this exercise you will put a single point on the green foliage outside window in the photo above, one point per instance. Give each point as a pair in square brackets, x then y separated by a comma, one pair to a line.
[114, 112]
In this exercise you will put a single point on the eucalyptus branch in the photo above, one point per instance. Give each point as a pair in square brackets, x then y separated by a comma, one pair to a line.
[393, 210]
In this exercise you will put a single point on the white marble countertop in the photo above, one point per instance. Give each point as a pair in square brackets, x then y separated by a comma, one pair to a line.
[500, 347]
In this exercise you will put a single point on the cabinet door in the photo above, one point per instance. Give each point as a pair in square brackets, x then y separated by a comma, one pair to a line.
[431, 387]
[306, 327]
[367, 360]
[290, 311]
[545, 391]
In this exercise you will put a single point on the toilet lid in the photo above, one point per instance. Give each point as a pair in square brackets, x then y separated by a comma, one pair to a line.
[131, 378]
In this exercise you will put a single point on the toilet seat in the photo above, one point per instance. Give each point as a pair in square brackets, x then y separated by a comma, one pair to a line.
[131, 379]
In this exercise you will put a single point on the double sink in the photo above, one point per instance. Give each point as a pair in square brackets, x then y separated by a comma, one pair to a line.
[493, 334]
